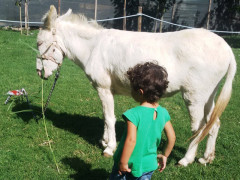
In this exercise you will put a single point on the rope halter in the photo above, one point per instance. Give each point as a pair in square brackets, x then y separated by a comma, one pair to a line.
[46, 57]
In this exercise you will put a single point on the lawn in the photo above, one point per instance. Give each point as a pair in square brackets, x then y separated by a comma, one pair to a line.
[74, 123]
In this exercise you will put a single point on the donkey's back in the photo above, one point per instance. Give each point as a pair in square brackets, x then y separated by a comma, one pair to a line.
[190, 56]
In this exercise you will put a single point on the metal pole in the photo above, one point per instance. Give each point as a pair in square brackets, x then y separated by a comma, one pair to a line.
[26, 15]
[20, 13]
[95, 16]
[25, 6]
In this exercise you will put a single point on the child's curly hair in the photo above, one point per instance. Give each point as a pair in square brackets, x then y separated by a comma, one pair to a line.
[149, 77]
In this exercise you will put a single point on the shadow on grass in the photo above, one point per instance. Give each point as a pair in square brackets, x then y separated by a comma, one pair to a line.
[84, 170]
[89, 128]
[176, 155]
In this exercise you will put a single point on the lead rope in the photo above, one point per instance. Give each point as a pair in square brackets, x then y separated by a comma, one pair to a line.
[51, 91]
[50, 94]
[43, 115]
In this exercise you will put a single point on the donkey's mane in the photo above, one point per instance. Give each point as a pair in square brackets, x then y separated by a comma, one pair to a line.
[80, 19]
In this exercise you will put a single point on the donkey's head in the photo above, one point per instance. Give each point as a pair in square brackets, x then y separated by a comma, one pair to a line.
[49, 45]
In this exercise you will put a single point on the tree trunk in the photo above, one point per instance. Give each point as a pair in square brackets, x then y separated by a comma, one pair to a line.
[140, 19]
[59, 7]
[161, 25]
[155, 26]
[173, 15]
[173, 12]
[124, 14]
[209, 11]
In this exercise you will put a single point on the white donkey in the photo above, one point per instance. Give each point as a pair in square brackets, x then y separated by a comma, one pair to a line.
[196, 61]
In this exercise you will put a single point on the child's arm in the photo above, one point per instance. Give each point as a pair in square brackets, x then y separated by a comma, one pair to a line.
[128, 148]
[169, 131]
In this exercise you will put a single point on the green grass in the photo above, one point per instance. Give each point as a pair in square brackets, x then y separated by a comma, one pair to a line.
[75, 124]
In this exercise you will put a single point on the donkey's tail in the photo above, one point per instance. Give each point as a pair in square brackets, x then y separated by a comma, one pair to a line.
[222, 101]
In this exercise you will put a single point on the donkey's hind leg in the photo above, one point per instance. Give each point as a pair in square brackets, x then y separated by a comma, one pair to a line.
[200, 110]
[209, 154]
[196, 111]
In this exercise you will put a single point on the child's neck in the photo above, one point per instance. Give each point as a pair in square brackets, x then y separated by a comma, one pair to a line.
[150, 105]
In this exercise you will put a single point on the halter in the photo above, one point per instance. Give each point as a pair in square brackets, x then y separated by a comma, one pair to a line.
[54, 43]
[45, 57]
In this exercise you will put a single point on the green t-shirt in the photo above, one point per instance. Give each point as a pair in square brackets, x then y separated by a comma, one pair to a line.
[144, 156]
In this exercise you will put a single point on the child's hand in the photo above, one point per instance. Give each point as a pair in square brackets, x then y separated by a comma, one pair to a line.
[123, 168]
[162, 161]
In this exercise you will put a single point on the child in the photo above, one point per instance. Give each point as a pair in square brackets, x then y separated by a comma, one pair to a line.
[136, 155]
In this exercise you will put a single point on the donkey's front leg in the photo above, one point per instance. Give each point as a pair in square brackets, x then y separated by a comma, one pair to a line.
[109, 136]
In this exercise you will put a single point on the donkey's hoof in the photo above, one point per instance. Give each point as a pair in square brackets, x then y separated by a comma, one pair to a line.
[183, 162]
[108, 152]
[207, 158]
[203, 161]
[107, 155]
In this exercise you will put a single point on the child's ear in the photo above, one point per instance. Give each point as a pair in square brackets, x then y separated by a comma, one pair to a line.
[141, 92]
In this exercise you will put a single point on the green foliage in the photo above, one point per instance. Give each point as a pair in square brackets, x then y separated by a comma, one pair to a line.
[18, 3]
[225, 15]
[75, 124]
[154, 8]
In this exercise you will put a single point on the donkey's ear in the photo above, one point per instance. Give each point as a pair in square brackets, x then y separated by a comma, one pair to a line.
[49, 18]
[66, 14]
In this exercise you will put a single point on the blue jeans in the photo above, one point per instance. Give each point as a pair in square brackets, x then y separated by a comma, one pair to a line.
[128, 176]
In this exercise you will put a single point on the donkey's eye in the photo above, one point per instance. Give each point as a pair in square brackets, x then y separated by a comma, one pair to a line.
[53, 50]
